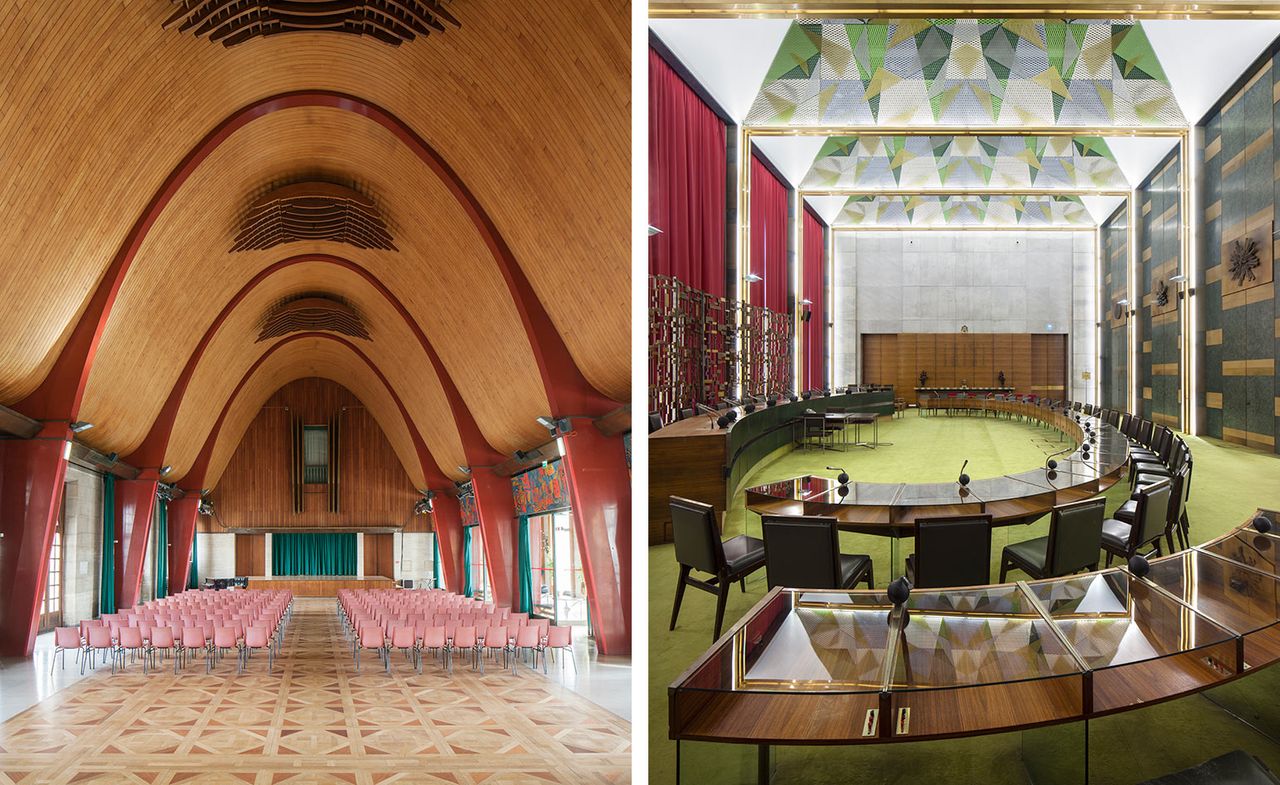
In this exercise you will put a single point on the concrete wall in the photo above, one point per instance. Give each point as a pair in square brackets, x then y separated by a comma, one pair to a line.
[413, 557]
[82, 548]
[216, 554]
[991, 282]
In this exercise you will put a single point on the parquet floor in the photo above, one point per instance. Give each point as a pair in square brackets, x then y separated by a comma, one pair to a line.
[314, 720]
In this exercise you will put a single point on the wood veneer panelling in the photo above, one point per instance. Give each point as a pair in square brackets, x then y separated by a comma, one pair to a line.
[482, 95]
[1032, 363]
[474, 328]
[395, 350]
[254, 491]
[251, 554]
[379, 555]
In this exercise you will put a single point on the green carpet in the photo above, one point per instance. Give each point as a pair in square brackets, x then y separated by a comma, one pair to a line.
[1228, 484]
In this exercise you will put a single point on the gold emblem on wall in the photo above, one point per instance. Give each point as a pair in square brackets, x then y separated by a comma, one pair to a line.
[1246, 260]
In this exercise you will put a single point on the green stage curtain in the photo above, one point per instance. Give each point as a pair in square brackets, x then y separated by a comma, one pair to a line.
[321, 553]
[193, 579]
[526, 568]
[466, 561]
[107, 587]
[161, 560]
[435, 561]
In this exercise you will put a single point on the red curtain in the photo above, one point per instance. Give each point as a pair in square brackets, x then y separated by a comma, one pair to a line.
[768, 237]
[815, 329]
[687, 160]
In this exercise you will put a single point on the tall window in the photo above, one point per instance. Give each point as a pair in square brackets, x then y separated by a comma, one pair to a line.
[559, 583]
[51, 609]
[479, 575]
[315, 453]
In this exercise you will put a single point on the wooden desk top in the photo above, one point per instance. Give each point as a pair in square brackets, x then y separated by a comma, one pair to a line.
[850, 667]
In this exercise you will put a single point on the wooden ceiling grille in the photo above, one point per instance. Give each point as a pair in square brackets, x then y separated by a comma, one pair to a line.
[313, 211]
[310, 313]
[232, 22]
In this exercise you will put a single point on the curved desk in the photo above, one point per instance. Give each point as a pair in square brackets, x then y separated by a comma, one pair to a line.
[695, 459]
[891, 509]
[848, 667]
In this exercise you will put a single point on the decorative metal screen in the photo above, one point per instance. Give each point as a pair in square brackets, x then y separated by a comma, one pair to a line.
[692, 356]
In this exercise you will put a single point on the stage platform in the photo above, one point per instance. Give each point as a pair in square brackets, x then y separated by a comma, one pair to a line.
[319, 585]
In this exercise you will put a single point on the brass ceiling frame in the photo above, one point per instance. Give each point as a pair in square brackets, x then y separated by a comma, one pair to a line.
[1001, 9]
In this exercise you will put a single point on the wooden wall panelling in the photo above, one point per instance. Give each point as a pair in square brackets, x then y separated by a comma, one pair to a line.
[926, 357]
[379, 555]
[908, 365]
[373, 491]
[251, 554]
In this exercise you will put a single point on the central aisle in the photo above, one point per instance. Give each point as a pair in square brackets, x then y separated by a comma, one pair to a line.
[314, 720]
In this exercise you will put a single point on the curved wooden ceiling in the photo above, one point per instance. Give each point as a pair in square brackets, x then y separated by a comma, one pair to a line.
[531, 109]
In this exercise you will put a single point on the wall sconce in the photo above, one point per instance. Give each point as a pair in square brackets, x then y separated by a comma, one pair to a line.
[753, 278]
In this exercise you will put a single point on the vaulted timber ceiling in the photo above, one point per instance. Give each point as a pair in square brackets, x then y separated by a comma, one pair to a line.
[152, 149]
[828, 98]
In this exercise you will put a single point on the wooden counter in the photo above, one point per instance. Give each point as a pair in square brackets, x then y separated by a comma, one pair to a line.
[319, 585]
[695, 459]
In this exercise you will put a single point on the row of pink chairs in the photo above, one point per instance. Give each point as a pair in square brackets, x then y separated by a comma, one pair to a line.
[383, 620]
[182, 627]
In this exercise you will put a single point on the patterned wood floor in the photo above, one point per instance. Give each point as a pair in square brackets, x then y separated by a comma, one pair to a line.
[314, 720]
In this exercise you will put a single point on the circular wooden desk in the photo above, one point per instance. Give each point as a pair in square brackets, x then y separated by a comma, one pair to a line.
[821, 667]
[891, 509]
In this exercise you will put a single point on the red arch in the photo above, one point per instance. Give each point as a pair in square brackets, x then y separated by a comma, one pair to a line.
[60, 394]
[200, 468]
[152, 449]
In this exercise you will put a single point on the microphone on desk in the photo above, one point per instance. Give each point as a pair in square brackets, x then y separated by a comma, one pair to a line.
[704, 409]
[843, 479]
[963, 479]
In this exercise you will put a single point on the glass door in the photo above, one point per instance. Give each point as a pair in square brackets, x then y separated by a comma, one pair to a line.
[479, 575]
[571, 581]
[559, 584]
[51, 608]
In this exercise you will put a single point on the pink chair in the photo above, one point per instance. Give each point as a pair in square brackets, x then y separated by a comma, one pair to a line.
[224, 640]
[99, 641]
[464, 639]
[495, 639]
[527, 640]
[193, 640]
[558, 638]
[371, 637]
[163, 638]
[65, 638]
[518, 619]
[402, 638]
[131, 642]
[256, 638]
[433, 639]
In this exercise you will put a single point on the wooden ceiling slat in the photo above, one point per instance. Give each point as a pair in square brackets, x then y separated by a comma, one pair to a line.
[81, 164]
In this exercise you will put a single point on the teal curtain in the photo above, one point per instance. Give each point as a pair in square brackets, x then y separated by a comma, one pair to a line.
[161, 560]
[193, 577]
[107, 582]
[321, 553]
[466, 561]
[435, 561]
[526, 568]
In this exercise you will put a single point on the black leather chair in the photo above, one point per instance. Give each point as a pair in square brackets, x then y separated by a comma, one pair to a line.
[1075, 538]
[953, 551]
[698, 547]
[804, 553]
[1150, 516]
[655, 421]
[1177, 522]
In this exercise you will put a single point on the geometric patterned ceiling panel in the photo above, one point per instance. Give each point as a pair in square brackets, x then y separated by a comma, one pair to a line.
[996, 211]
[984, 72]
[868, 161]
